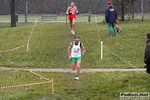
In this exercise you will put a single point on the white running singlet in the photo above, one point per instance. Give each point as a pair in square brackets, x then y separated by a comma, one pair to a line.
[76, 50]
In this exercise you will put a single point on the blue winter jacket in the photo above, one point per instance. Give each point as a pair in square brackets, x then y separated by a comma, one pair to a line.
[110, 14]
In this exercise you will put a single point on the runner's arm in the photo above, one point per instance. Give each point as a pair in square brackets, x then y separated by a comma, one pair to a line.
[83, 49]
[69, 50]
[77, 11]
[67, 11]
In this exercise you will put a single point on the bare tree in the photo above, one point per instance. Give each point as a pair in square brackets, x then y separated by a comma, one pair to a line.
[26, 11]
[12, 9]
[132, 1]
[123, 6]
[89, 17]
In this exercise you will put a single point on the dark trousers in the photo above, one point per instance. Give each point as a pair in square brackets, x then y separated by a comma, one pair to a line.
[148, 68]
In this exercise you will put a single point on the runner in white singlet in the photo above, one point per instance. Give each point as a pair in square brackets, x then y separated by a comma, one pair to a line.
[75, 52]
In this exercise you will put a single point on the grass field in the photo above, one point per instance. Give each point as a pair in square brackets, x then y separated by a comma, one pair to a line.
[48, 49]
[49, 42]
[60, 18]
[83, 17]
[92, 86]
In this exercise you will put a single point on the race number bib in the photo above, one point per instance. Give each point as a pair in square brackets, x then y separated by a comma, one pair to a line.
[77, 51]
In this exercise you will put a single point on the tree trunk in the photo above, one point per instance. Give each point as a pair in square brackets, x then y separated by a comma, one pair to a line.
[13, 17]
[89, 16]
[66, 14]
[26, 12]
[142, 10]
[132, 9]
[122, 12]
[2, 6]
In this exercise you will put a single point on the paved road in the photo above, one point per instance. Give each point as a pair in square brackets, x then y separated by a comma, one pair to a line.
[70, 71]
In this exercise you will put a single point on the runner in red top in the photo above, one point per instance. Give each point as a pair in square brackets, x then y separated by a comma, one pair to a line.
[71, 12]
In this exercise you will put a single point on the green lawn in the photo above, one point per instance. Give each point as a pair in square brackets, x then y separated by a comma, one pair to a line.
[49, 42]
[91, 86]
[33, 17]
[48, 49]
[83, 17]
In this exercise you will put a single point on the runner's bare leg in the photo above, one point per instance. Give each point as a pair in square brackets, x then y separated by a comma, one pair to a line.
[78, 67]
[73, 65]
[71, 25]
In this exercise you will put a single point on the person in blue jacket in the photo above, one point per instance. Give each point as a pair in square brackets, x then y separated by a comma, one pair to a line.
[110, 17]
